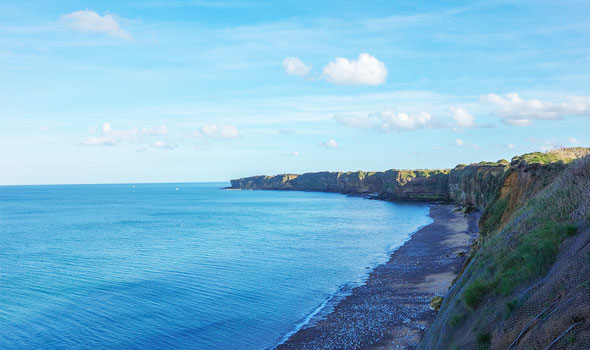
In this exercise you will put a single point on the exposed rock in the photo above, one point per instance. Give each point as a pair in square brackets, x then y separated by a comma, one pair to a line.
[435, 303]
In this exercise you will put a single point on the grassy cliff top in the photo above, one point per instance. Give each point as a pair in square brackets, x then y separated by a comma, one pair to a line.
[565, 155]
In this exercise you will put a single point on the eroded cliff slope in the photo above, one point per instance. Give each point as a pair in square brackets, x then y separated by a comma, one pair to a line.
[527, 282]
[527, 285]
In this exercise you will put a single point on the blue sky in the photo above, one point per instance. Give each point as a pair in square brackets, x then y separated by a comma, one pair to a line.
[165, 91]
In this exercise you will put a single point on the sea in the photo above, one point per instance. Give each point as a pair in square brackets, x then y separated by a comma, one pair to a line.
[182, 265]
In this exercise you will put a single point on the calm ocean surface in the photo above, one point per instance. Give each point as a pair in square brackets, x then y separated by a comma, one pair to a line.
[123, 267]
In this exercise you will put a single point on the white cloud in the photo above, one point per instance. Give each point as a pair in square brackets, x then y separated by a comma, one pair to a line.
[162, 144]
[219, 131]
[511, 146]
[353, 121]
[365, 70]
[518, 122]
[109, 136]
[330, 144]
[155, 131]
[574, 140]
[389, 120]
[463, 118]
[91, 22]
[462, 143]
[515, 110]
[294, 66]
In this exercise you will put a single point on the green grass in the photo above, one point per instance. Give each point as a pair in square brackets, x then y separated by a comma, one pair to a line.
[499, 162]
[511, 306]
[541, 158]
[571, 339]
[475, 291]
[456, 320]
[493, 215]
[483, 340]
[547, 158]
[532, 256]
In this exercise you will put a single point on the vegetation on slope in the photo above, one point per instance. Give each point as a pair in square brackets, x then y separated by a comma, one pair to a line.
[515, 290]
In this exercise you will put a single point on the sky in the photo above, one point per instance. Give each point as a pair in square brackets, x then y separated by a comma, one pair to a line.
[204, 90]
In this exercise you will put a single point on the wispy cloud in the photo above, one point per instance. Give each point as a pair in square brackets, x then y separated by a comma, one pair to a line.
[353, 121]
[163, 145]
[294, 66]
[203, 3]
[462, 143]
[109, 136]
[218, 131]
[330, 144]
[515, 110]
[388, 120]
[574, 141]
[87, 21]
[158, 130]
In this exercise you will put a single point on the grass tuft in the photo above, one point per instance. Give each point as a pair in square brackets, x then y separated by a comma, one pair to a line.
[475, 292]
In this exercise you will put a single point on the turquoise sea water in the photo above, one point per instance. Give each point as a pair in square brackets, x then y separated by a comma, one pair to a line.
[182, 266]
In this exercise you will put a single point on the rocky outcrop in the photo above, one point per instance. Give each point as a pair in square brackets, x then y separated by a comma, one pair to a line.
[477, 184]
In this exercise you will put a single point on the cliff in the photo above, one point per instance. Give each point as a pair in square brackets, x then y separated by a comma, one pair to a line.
[526, 284]
[469, 185]
[473, 185]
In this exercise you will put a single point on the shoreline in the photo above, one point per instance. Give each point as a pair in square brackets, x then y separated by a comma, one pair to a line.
[391, 309]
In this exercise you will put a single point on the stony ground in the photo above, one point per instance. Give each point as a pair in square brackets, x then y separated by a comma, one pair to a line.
[391, 311]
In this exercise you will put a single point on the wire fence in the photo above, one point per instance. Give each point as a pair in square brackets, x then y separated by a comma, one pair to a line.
[550, 313]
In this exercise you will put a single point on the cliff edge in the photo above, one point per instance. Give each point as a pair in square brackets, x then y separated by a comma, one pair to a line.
[526, 283]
